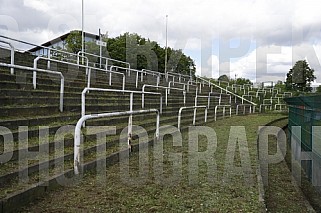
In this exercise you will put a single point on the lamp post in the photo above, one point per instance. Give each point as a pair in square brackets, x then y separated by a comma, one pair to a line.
[166, 47]
[82, 30]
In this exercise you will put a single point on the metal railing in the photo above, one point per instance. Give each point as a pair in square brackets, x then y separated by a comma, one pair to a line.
[265, 105]
[222, 89]
[244, 107]
[131, 101]
[106, 58]
[222, 106]
[62, 79]
[281, 105]
[77, 156]
[194, 116]
[110, 76]
[172, 83]
[49, 49]
[35, 65]
[166, 93]
[12, 50]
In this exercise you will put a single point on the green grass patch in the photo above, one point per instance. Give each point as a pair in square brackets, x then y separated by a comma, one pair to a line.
[228, 186]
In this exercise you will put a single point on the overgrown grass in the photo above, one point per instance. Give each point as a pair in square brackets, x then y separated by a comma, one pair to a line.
[230, 186]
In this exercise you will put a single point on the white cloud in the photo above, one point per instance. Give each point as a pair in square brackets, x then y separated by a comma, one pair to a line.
[271, 24]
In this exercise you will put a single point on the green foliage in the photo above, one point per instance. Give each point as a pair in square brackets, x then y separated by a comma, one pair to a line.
[142, 53]
[299, 78]
[319, 89]
[223, 78]
[239, 81]
[73, 42]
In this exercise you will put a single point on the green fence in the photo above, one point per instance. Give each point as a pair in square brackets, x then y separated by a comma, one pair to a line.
[305, 133]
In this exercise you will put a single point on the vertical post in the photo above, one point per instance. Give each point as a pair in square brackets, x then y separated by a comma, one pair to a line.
[166, 47]
[49, 56]
[100, 49]
[89, 78]
[82, 31]
[130, 119]
[62, 85]
[194, 117]
[161, 104]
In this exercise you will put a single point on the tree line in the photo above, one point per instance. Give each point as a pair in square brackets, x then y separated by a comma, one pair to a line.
[140, 52]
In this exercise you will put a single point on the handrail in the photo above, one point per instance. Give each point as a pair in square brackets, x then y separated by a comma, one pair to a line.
[161, 87]
[11, 56]
[209, 98]
[106, 58]
[247, 96]
[244, 105]
[226, 91]
[87, 89]
[172, 82]
[62, 79]
[275, 106]
[222, 106]
[35, 45]
[80, 122]
[110, 76]
[143, 72]
[35, 64]
[265, 105]
[194, 116]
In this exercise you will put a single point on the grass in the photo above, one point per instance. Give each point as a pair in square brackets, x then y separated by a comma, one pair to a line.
[226, 191]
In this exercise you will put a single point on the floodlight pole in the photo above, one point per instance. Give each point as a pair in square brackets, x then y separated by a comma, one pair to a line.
[166, 47]
[82, 30]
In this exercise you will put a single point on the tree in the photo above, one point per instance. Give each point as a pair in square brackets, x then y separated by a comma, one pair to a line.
[299, 78]
[319, 89]
[223, 78]
[73, 41]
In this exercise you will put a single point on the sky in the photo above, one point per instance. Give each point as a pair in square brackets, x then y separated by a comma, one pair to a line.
[255, 39]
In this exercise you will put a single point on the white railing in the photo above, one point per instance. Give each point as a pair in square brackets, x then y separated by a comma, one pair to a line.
[35, 66]
[194, 116]
[127, 65]
[222, 106]
[166, 93]
[62, 79]
[12, 49]
[244, 108]
[77, 156]
[110, 76]
[235, 95]
[131, 101]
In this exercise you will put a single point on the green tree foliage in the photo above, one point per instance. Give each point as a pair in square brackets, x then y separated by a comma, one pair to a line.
[73, 41]
[319, 89]
[224, 78]
[299, 78]
[142, 53]
[239, 81]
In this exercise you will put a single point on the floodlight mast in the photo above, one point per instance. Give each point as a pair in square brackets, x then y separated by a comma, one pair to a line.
[82, 30]
[166, 46]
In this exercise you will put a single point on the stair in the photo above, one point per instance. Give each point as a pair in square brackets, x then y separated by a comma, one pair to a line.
[36, 143]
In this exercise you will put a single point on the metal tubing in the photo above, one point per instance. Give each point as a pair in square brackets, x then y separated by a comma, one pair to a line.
[62, 84]
[11, 55]
[80, 122]
[87, 89]
[194, 116]
[244, 105]
[161, 87]
[222, 106]
[250, 102]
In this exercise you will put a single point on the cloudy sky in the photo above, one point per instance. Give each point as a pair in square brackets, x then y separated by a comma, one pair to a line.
[255, 39]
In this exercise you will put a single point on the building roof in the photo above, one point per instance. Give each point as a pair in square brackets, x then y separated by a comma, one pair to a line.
[61, 38]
